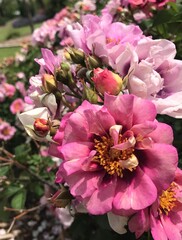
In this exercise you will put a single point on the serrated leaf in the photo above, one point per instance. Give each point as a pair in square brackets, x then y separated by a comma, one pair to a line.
[18, 200]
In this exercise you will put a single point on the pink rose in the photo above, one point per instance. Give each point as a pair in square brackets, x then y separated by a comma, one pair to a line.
[114, 157]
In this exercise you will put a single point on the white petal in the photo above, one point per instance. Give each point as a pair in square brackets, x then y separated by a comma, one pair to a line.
[117, 222]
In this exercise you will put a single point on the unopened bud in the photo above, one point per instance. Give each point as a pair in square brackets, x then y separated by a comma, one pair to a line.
[107, 81]
[49, 83]
[41, 127]
[93, 62]
[77, 56]
[54, 127]
[89, 94]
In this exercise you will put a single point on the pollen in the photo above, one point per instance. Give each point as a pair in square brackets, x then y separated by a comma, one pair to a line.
[112, 159]
[112, 40]
[168, 200]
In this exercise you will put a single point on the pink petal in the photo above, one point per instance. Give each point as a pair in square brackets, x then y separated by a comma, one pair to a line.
[99, 122]
[130, 194]
[76, 129]
[160, 163]
[144, 129]
[101, 200]
[165, 137]
[157, 229]
[75, 150]
[139, 223]
[83, 184]
[121, 108]
[143, 110]
[172, 232]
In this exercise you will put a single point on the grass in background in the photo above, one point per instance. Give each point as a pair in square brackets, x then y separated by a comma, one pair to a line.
[7, 31]
[8, 52]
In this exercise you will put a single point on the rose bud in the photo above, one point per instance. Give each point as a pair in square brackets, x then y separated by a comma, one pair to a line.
[41, 127]
[76, 55]
[49, 83]
[107, 81]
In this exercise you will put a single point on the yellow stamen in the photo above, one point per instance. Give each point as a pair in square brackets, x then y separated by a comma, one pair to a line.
[112, 40]
[112, 159]
[168, 199]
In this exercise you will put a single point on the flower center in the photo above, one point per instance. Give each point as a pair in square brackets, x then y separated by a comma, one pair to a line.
[114, 161]
[112, 40]
[168, 199]
[6, 131]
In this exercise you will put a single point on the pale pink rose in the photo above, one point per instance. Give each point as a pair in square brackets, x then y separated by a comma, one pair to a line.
[150, 76]
[6, 131]
[107, 40]
[164, 217]
[17, 106]
[115, 159]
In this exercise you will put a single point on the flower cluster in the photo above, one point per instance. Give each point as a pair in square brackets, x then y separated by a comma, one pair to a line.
[97, 105]
[53, 31]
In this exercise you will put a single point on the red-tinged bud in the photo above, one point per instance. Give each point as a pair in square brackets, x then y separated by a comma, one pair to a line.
[41, 127]
[49, 83]
[107, 81]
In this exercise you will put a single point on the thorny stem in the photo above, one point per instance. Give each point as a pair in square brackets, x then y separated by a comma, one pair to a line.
[11, 160]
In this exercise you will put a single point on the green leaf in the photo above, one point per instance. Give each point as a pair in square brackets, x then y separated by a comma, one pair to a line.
[22, 152]
[162, 17]
[4, 170]
[18, 201]
[9, 191]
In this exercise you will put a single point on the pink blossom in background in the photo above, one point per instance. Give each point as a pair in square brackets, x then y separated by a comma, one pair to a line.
[164, 217]
[2, 78]
[20, 75]
[44, 151]
[9, 89]
[47, 34]
[2, 93]
[154, 3]
[85, 6]
[107, 40]
[115, 159]
[6, 131]
[17, 106]
[20, 86]
[111, 7]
